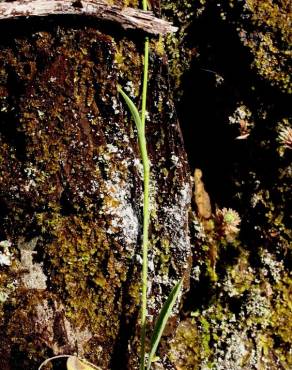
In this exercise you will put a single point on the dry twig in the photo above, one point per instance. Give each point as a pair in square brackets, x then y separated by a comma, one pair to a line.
[128, 18]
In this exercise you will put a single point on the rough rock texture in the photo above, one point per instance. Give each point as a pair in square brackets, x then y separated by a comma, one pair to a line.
[71, 193]
[234, 108]
[70, 262]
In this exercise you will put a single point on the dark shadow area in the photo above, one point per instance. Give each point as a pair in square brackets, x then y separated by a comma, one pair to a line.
[206, 105]
[126, 332]
[67, 208]
[228, 164]
[9, 122]
[8, 129]
[200, 293]
[20, 360]
[3, 215]
[23, 27]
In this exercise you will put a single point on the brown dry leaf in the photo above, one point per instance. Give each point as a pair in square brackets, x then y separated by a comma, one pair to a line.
[201, 197]
[74, 363]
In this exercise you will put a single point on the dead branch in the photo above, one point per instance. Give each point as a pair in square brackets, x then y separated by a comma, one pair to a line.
[128, 18]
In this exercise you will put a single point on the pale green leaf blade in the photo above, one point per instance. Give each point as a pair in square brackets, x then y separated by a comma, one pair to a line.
[162, 320]
[133, 109]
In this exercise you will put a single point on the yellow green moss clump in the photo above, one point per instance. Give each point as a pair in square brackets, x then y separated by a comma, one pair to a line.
[186, 347]
[270, 41]
[264, 27]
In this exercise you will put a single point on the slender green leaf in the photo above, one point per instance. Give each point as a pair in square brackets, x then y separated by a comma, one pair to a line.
[162, 320]
[140, 124]
[133, 109]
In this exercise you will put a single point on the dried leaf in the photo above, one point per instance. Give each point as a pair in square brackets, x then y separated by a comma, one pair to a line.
[74, 363]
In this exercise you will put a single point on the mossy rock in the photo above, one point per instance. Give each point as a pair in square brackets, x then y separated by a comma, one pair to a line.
[71, 193]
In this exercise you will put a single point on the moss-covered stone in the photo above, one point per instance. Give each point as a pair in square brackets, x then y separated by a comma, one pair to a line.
[70, 189]
[262, 26]
[71, 195]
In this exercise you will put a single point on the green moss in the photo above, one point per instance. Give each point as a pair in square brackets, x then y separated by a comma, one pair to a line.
[264, 27]
[281, 320]
[185, 349]
[205, 328]
[70, 177]
[181, 14]
[60, 176]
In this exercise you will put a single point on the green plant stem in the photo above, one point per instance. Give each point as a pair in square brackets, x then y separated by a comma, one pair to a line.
[145, 82]
[144, 250]
[146, 215]
[144, 4]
